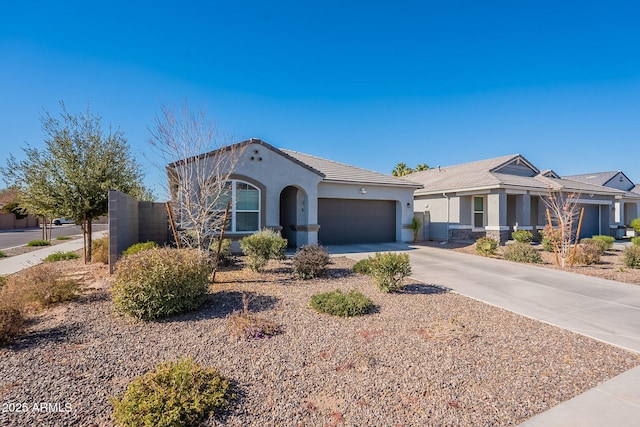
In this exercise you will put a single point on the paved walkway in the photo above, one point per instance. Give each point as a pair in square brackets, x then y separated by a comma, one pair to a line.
[16, 263]
[602, 309]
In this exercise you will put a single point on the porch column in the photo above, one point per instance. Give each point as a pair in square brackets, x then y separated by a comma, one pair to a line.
[497, 226]
[523, 212]
[619, 212]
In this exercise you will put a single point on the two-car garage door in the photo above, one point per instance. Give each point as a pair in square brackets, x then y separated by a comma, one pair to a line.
[346, 221]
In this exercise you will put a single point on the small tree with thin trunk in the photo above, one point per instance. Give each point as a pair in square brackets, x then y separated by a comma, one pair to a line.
[563, 211]
[71, 176]
[199, 160]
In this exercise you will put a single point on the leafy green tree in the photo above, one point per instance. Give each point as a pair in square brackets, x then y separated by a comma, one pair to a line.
[72, 174]
[421, 167]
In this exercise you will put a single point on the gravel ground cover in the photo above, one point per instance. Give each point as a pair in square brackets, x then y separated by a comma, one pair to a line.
[423, 357]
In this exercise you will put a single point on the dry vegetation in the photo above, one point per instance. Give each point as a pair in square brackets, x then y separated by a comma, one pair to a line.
[424, 356]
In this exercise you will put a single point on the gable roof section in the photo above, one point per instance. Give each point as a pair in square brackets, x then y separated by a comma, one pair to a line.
[488, 174]
[243, 144]
[597, 178]
[343, 173]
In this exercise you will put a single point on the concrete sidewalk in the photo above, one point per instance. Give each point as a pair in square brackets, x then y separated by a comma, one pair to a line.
[11, 265]
[602, 309]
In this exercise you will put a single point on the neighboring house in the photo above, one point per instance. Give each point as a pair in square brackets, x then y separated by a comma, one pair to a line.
[626, 205]
[314, 200]
[496, 196]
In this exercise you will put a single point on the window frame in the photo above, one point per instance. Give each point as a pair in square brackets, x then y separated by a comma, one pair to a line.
[232, 226]
[474, 212]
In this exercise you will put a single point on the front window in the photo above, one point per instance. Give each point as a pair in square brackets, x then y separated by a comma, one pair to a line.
[478, 212]
[244, 215]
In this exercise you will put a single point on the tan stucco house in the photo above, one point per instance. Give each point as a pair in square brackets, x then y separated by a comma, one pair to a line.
[314, 200]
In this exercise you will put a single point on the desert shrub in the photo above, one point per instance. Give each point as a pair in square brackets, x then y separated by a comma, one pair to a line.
[3, 281]
[389, 270]
[310, 261]
[589, 251]
[39, 287]
[178, 393]
[226, 256]
[160, 282]
[635, 224]
[548, 237]
[100, 250]
[608, 240]
[336, 303]
[486, 246]
[61, 256]
[522, 252]
[594, 244]
[262, 246]
[246, 325]
[631, 256]
[63, 238]
[3, 254]
[363, 266]
[522, 236]
[636, 240]
[39, 243]
[11, 323]
[139, 247]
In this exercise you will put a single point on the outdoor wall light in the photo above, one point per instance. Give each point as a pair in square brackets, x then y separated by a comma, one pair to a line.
[408, 204]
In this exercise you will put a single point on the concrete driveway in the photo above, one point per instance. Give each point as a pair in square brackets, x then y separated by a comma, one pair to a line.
[602, 309]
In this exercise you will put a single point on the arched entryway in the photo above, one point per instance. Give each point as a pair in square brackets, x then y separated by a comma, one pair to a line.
[292, 201]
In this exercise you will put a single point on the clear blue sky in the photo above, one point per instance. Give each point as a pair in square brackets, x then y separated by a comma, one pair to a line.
[365, 83]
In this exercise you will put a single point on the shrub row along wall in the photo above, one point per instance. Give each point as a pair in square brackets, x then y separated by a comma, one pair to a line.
[132, 221]
[8, 221]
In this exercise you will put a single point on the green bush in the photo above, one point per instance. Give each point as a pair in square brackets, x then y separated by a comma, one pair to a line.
[226, 256]
[3, 254]
[631, 256]
[174, 394]
[486, 246]
[389, 270]
[262, 246]
[608, 240]
[363, 266]
[310, 262]
[522, 236]
[340, 304]
[522, 252]
[11, 323]
[549, 237]
[63, 238]
[160, 282]
[16, 209]
[636, 240]
[61, 256]
[635, 224]
[139, 247]
[39, 243]
[100, 250]
[589, 251]
[594, 244]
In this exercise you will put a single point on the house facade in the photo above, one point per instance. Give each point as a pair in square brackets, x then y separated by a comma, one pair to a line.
[626, 204]
[497, 196]
[309, 199]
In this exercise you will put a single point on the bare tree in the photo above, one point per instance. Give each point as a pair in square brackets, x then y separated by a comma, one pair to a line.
[199, 160]
[563, 210]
